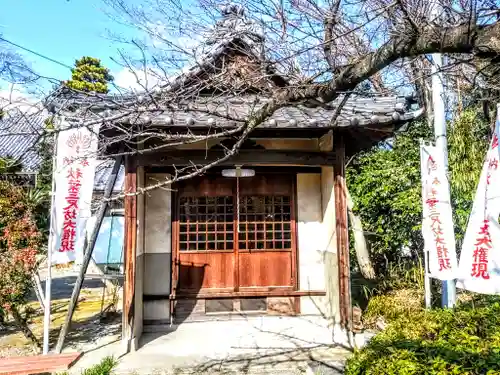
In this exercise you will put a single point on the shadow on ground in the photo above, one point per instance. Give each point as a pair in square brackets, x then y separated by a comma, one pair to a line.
[240, 345]
[317, 359]
[86, 333]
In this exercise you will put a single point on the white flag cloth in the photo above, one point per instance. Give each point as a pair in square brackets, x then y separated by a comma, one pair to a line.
[437, 222]
[74, 183]
[479, 269]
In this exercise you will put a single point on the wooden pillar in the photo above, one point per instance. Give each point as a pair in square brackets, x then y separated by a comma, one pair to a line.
[342, 234]
[130, 242]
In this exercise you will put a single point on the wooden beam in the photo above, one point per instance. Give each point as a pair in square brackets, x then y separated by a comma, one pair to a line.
[130, 241]
[209, 295]
[341, 227]
[265, 169]
[202, 157]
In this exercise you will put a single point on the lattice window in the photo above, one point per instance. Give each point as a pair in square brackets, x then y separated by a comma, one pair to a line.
[265, 223]
[206, 223]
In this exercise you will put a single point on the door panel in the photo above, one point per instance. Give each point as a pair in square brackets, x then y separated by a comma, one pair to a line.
[266, 269]
[208, 270]
[206, 240]
[213, 253]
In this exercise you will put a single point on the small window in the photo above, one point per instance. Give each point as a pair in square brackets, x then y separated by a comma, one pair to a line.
[206, 223]
[265, 223]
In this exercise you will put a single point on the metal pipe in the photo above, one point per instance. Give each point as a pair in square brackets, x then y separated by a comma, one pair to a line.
[449, 290]
[48, 279]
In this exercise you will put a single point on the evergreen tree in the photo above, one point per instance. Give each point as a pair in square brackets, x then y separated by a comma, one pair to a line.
[89, 75]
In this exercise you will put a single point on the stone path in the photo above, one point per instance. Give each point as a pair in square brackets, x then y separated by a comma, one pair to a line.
[256, 345]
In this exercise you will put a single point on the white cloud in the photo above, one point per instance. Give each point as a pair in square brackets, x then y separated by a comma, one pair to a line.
[14, 96]
[138, 80]
[160, 37]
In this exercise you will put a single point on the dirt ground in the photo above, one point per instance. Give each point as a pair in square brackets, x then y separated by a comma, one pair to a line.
[89, 325]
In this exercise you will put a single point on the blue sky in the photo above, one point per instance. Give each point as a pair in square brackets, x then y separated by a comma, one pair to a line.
[60, 29]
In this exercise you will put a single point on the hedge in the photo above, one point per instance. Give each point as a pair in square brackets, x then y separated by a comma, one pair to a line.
[461, 341]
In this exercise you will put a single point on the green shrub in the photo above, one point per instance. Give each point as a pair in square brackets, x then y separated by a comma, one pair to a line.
[105, 367]
[461, 341]
[406, 276]
[394, 305]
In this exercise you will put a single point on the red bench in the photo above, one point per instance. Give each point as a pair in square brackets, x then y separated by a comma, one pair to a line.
[38, 364]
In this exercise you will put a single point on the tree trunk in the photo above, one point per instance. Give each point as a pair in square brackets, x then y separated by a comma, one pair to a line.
[360, 245]
[417, 70]
[23, 326]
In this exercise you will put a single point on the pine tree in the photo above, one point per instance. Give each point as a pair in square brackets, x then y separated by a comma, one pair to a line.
[90, 76]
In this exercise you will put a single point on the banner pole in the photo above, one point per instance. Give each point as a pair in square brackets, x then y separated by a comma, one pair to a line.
[448, 286]
[427, 280]
[48, 279]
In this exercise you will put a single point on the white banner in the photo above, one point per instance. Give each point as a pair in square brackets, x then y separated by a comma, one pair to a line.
[479, 269]
[437, 222]
[74, 184]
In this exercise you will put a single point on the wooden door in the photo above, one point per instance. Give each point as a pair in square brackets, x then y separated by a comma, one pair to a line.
[266, 238]
[214, 254]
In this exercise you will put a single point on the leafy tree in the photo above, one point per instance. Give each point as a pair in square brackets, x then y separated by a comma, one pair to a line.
[20, 242]
[89, 75]
[9, 165]
[469, 139]
[385, 185]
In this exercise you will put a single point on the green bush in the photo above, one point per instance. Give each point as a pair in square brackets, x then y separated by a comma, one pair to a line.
[461, 341]
[105, 367]
[406, 276]
[393, 306]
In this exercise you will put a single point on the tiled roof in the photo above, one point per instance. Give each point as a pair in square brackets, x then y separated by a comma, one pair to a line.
[359, 112]
[234, 26]
[19, 134]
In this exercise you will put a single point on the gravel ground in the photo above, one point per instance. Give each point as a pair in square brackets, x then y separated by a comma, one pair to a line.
[87, 332]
